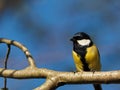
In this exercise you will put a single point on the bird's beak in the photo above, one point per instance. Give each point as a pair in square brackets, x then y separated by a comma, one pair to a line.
[72, 39]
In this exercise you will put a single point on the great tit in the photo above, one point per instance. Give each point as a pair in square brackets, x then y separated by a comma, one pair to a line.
[85, 54]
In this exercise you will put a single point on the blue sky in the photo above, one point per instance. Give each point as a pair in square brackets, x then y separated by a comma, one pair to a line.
[45, 28]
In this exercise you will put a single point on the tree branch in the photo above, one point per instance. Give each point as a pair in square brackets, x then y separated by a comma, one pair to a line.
[22, 47]
[5, 65]
[53, 78]
[50, 84]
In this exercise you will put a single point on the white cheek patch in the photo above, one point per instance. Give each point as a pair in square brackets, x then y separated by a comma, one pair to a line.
[84, 42]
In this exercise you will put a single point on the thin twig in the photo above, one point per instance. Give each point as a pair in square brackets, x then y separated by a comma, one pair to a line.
[56, 78]
[7, 56]
[5, 64]
[22, 47]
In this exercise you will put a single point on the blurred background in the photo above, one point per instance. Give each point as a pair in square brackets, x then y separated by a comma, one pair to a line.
[45, 27]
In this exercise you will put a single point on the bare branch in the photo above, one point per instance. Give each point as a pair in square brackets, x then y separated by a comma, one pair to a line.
[50, 84]
[22, 47]
[55, 79]
[5, 65]
[7, 56]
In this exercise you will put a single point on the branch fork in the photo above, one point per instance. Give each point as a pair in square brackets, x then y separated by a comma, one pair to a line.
[55, 79]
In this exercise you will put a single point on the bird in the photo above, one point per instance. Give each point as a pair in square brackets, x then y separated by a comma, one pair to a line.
[86, 54]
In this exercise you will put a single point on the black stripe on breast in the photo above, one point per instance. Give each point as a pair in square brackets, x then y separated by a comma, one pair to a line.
[82, 52]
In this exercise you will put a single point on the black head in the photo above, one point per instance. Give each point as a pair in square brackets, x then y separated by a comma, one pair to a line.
[81, 37]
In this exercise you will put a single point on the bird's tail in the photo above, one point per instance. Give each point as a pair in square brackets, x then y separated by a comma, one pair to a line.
[97, 87]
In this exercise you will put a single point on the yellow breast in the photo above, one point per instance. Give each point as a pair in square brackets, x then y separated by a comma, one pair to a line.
[77, 61]
[91, 57]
